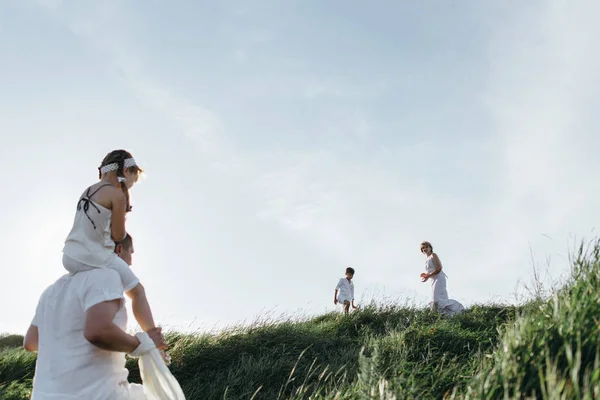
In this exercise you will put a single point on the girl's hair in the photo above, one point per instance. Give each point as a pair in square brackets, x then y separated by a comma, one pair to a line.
[426, 244]
[118, 157]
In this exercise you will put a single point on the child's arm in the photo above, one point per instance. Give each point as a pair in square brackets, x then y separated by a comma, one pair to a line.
[117, 218]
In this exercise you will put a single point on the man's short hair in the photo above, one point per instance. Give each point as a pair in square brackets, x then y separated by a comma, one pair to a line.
[126, 243]
[350, 270]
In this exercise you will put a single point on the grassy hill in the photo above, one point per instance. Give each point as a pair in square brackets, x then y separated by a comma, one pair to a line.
[547, 348]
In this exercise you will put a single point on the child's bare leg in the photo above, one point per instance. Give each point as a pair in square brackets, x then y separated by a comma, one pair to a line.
[141, 307]
[143, 314]
[346, 307]
[141, 310]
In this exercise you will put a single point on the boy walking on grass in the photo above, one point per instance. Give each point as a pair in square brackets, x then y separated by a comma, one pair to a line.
[344, 291]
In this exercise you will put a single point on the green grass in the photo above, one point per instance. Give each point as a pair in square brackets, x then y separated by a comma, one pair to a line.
[546, 348]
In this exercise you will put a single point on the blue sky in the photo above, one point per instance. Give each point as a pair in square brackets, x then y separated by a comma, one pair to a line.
[283, 140]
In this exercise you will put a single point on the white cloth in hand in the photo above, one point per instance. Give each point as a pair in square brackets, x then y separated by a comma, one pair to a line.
[145, 346]
[159, 383]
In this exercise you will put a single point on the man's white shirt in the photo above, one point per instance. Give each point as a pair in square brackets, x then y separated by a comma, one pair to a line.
[68, 366]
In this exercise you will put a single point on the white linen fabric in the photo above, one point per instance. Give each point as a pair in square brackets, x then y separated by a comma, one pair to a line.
[68, 366]
[159, 383]
[90, 240]
[346, 290]
[128, 278]
[439, 293]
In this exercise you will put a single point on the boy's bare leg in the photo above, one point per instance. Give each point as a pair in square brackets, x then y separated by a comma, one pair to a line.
[346, 306]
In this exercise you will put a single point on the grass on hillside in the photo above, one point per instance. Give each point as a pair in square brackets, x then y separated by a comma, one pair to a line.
[553, 350]
[547, 348]
[290, 359]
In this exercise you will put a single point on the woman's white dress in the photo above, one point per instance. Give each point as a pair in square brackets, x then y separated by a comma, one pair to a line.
[439, 293]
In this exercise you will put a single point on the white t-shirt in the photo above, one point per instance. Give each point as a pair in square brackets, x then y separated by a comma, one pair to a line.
[346, 290]
[68, 366]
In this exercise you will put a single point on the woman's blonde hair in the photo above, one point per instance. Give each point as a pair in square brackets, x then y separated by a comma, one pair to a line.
[426, 244]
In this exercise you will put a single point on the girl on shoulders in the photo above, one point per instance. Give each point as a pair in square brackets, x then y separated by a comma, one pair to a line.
[100, 222]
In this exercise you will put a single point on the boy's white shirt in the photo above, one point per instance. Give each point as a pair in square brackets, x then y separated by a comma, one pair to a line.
[346, 290]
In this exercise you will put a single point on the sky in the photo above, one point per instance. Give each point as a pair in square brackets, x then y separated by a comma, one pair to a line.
[284, 140]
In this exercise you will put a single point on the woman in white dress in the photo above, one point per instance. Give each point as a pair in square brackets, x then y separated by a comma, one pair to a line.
[433, 268]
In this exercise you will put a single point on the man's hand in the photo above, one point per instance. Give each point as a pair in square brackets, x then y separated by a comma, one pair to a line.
[158, 338]
[335, 301]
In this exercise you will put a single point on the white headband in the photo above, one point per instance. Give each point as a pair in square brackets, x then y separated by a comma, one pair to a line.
[129, 162]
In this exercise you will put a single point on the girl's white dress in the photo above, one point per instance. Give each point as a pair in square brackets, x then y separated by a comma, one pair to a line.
[440, 301]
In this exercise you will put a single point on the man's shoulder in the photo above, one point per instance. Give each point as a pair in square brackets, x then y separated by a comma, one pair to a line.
[108, 275]
[54, 286]
[102, 272]
[98, 278]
